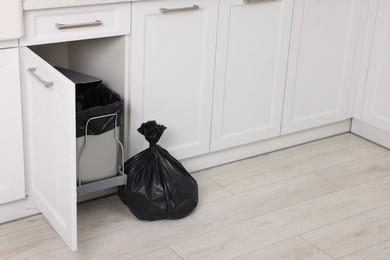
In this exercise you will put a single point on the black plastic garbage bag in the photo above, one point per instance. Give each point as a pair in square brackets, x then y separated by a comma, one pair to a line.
[96, 100]
[158, 186]
[93, 99]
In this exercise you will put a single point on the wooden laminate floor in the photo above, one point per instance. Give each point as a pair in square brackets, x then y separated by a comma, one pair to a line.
[328, 199]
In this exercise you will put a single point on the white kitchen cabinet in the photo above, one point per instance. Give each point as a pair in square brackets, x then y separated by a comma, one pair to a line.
[49, 97]
[376, 107]
[172, 73]
[12, 185]
[321, 63]
[49, 120]
[251, 63]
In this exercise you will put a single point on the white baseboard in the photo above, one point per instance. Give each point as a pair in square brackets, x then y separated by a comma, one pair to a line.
[253, 149]
[25, 208]
[17, 209]
[371, 133]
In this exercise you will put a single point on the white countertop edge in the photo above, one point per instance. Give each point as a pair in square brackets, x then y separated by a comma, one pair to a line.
[8, 44]
[46, 4]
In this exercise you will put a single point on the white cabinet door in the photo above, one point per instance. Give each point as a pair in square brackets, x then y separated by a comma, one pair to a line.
[321, 62]
[252, 51]
[172, 70]
[376, 108]
[50, 143]
[11, 137]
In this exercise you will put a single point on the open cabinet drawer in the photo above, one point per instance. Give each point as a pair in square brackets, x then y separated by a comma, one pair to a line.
[50, 124]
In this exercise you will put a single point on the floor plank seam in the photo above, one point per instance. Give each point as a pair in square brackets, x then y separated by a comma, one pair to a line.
[253, 217]
[28, 228]
[155, 250]
[112, 231]
[316, 247]
[265, 247]
[223, 187]
[45, 252]
[344, 219]
[362, 249]
[350, 161]
[317, 170]
[353, 160]
[175, 252]
[84, 240]
[214, 201]
[328, 181]
[347, 162]
[287, 179]
[311, 172]
[362, 183]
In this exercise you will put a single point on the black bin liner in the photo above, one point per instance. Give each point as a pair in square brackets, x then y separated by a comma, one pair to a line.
[96, 100]
[93, 99]
[158, 186]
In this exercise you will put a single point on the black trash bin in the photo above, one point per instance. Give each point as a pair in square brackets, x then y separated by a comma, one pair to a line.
[98, 119]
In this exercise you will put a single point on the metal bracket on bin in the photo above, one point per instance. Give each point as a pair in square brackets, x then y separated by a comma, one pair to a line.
[118, 180]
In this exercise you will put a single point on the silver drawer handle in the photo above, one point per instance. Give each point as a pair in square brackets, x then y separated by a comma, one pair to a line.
[255, 1]
[62, 26]
[181, 9]
[33, 71]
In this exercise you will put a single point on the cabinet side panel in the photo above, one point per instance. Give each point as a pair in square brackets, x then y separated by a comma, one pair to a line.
[11, 138]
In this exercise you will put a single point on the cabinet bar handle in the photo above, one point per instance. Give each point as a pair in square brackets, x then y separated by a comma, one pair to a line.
[33, 71]
[181, 9]
[62, 26]
[255, 1]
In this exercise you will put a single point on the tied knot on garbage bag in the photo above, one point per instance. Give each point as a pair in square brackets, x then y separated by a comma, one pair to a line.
[152, 131]
[158, 186]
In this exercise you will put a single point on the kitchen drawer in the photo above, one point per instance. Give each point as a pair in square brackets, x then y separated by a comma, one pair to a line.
[76, 23]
